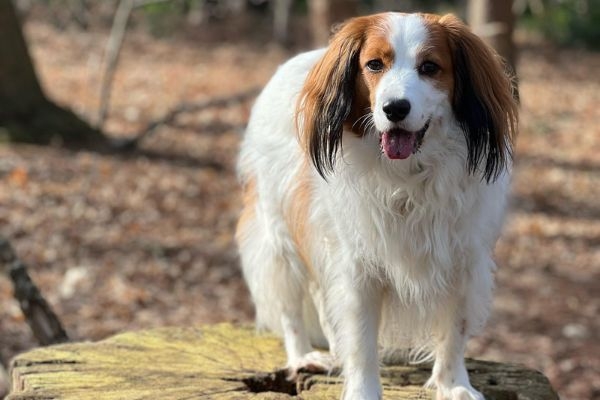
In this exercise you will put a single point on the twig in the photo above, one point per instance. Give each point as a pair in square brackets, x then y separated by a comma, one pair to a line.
[113, 49]
[185, 107]
[42, 320]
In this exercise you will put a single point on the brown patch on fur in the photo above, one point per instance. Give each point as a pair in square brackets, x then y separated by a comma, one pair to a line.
[489, 74]
[437, 50]
[326, 79]
[376, 46]
[297, 216]
[333, 95]
[249, 198]
[360, 107]
[484, 98]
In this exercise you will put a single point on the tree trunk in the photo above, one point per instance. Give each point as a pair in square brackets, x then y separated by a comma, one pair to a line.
[324, 14]
[494, 21]
[19, 86]
[223, 362]
[25, 112]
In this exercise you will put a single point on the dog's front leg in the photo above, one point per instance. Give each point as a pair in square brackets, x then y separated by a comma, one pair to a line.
[357, 313]
[449, 373]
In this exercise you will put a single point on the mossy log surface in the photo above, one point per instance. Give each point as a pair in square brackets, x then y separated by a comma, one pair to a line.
[221, 362]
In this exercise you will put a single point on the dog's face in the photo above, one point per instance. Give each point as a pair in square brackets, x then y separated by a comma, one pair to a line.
[406, 68]
[394, 74]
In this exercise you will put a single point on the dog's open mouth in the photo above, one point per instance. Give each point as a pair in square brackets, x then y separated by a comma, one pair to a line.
[398, 143]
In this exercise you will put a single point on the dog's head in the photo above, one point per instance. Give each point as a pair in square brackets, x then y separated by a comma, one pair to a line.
[393, 75]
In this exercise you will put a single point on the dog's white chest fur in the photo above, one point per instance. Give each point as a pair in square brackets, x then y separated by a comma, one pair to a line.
[411, 227]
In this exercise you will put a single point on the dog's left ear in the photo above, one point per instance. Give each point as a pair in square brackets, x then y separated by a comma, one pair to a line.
[485, 100]
[325, 101]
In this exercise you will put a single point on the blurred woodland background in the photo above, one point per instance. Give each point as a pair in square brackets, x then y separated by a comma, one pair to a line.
[119, 130]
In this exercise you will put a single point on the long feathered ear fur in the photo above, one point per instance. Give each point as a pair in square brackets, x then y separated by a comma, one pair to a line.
[485, 101]
[326, 98]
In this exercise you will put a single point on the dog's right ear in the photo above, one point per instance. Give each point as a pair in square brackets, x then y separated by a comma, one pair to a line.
[325, 101]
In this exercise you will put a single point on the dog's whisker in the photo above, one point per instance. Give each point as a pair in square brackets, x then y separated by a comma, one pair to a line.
[361, 120]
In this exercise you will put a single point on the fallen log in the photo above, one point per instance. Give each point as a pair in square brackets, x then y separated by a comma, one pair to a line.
[222, 362]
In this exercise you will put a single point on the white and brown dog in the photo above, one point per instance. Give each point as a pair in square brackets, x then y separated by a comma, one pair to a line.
[375, 173]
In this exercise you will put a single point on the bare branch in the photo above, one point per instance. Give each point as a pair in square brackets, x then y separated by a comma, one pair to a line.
[42, 320]
[113, 49]
[186, 107]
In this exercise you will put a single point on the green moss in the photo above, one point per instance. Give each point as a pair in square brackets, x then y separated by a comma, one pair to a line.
[221, 362]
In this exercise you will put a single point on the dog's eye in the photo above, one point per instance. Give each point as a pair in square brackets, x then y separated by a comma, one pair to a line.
[375, 65]
[428, 68]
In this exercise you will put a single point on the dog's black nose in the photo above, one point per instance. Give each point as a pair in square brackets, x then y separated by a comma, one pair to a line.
[396, 110]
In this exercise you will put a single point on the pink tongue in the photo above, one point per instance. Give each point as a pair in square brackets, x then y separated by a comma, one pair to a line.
[398, 144]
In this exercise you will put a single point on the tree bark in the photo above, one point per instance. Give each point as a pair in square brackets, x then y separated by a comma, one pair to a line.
[19, 85]
[494, 21]
[26, 114]
[223, 362]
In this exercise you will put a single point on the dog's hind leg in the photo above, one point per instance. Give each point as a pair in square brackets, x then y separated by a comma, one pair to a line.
[278, 282]
[278, 294]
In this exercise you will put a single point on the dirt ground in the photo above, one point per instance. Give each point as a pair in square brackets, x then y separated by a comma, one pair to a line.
[130, 242]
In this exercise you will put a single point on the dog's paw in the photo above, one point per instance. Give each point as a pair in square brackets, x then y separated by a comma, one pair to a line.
[314, 362]
[463, 393]
[362, 391]
[458, 393]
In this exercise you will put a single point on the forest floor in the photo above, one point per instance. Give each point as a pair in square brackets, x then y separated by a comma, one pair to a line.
[124, 242]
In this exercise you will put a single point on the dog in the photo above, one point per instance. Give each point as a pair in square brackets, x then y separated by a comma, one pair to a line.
[374, 175]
